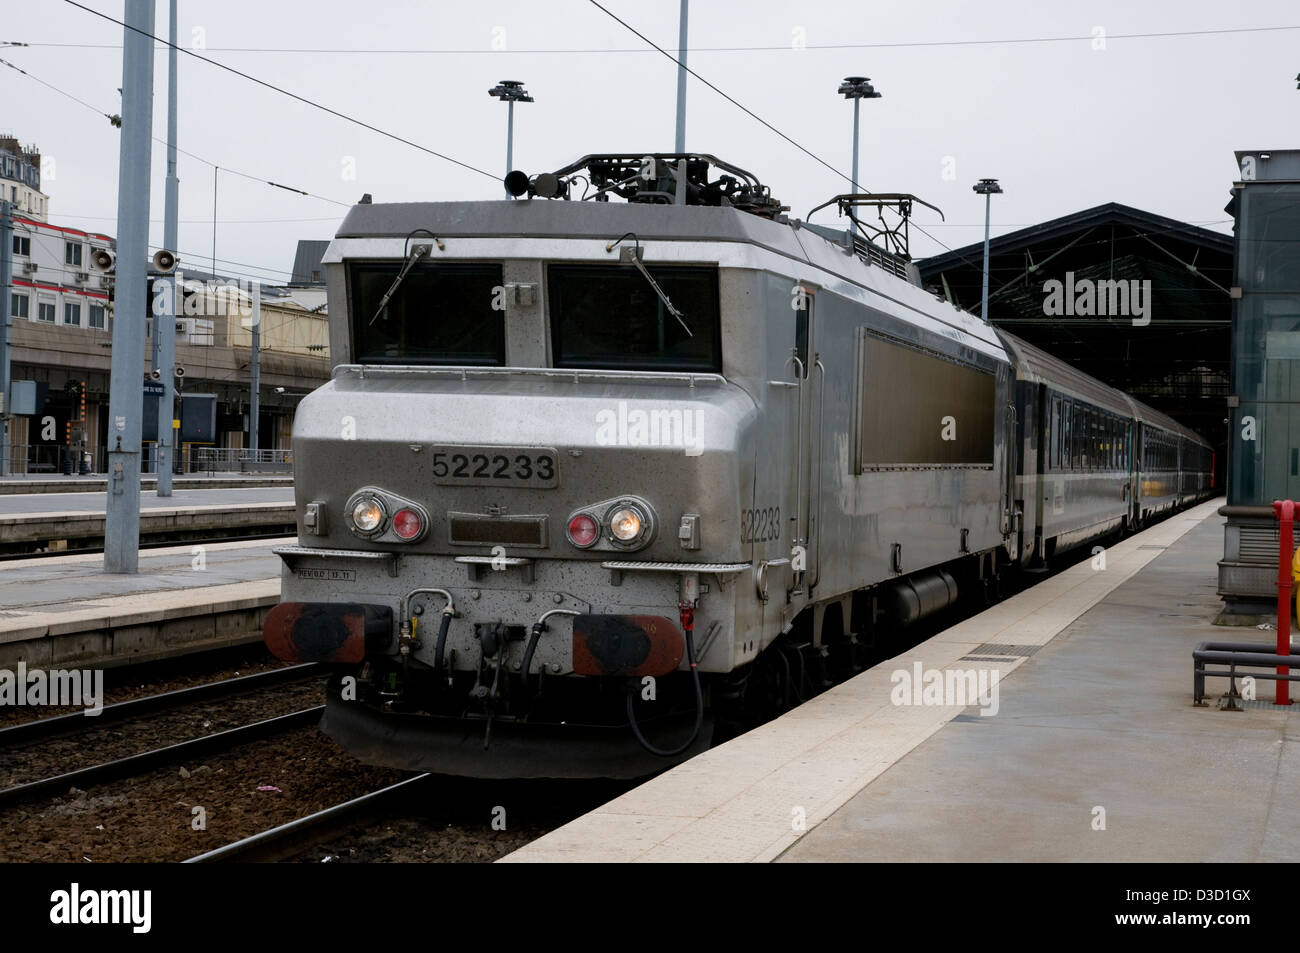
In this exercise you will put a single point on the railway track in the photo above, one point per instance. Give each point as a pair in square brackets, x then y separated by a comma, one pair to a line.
[147, 760]
[285, 840]
[77, 723]
[42, 728]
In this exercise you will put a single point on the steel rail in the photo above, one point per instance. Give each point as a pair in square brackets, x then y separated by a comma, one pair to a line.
[138, 763]
[43, 728]
[276, 843]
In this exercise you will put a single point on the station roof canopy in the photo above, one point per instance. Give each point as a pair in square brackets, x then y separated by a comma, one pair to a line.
[1173, 356]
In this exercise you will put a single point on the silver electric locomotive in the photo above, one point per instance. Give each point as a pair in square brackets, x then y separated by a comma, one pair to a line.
[592, 477]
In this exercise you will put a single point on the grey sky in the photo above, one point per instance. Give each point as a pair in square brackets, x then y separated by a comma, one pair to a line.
[1148, 122]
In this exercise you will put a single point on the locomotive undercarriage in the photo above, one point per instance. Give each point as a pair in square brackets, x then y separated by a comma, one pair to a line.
[492, 723]
[479, 715]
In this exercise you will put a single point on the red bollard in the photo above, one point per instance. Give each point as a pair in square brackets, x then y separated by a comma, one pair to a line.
[1285, 512]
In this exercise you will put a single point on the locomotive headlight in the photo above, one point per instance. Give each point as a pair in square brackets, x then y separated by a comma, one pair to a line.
[368, 514]
[627, 523]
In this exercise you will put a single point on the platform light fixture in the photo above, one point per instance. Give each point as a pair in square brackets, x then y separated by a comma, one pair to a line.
[987, 188]
[857, 88]
[510, 91]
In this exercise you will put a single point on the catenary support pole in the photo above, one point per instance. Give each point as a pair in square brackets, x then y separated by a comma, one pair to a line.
[126, 391]
[255, 370]
[165, 324]
[680, 141]
[6, 294]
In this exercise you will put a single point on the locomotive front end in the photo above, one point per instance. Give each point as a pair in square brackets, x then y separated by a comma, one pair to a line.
[517, 543]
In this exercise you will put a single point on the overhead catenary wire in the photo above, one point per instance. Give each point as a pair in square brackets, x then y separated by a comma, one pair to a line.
[776, 48]
[116, 119]
[284, 92]
[749, 112]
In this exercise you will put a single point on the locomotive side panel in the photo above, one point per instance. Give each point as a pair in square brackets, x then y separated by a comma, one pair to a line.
[916, 451]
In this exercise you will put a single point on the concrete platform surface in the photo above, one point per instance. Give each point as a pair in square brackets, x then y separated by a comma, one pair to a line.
[46, 483]
[66, 608]
[53, 504]
[1091, 748]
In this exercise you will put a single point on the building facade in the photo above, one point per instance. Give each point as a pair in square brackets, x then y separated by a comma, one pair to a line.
[20, 179]
[61, 311]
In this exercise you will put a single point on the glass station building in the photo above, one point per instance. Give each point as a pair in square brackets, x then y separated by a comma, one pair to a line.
[1264, 405]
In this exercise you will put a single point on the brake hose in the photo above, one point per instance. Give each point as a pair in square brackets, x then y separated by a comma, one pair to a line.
[536, 636]
[688, 625]
[447, 613]
[538, 628]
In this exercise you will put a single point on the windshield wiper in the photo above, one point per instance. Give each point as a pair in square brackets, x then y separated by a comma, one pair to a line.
[633, 256]
[417, 252]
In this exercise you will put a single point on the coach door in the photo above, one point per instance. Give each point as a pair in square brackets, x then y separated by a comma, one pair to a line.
[1134, 474]
[810, 401]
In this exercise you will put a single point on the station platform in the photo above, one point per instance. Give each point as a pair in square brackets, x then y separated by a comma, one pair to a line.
[71, 520]
[45, 483]
[65, 610]
[1091, 748]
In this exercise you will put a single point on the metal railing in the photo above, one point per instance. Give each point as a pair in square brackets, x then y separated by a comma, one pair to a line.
[212, 460]
[1280, 656]
[50, 459]
[54, 460]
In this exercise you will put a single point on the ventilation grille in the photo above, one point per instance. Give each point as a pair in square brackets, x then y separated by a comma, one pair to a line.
[1259, 544]
[999, 651]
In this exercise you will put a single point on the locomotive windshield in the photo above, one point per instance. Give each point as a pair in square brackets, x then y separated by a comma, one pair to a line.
[606, 316]
[441, 313]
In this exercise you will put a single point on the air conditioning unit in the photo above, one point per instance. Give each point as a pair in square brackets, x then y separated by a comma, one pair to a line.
[106, 281]
[82, 277]
[29, 267]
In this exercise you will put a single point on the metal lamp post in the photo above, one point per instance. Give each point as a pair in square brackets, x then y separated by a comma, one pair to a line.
[987, 188]
[510, 91]
[857, 88]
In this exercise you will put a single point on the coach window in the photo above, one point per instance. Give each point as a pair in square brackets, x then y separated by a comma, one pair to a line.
[1081, 438]
[1086, 459]
[609, 316]
[1098, 443]
[440, 313]
[1090, 443]
[1053, 434]
[1065, 435]
[1094, 444]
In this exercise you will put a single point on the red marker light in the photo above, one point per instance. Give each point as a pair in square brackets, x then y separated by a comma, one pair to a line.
[583, 530]
[407, 524]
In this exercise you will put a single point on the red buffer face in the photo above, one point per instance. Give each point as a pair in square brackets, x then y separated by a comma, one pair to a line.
[626, 645]
[325, 631]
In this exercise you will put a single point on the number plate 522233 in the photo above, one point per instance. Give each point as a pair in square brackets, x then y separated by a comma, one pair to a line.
[533, 467]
